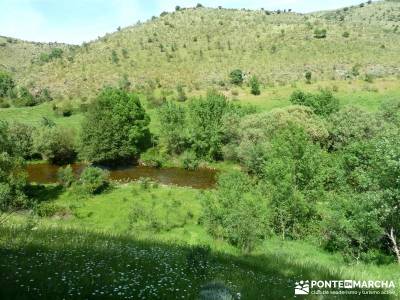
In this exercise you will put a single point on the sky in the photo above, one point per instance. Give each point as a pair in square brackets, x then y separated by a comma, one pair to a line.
[77, 21]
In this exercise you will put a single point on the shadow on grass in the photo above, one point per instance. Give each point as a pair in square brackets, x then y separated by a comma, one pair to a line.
[41, 193]
[69, 264]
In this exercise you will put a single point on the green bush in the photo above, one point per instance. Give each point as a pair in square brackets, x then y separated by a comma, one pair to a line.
[66, 176]
[152, 158]
[49, 209]
[323, 103]
[173, 131]
[22, 136]
[255, 86]
[93, 180]
[236, 77]
[6, 84]
[236, 212]
[320, 33]
[4, 103]
[25, 98]
[190, 160]
[55, 144]
[181, 93]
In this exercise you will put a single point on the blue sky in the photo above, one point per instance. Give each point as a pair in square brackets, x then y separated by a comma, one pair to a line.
[76, 21]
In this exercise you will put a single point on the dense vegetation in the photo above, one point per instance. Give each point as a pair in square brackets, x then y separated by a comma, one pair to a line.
[308, 170]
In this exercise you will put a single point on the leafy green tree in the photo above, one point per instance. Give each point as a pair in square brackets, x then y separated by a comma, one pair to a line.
[256, 130]
[236, 77]
[22, 136]
[352, 124]
[12, 174]
[237, 211]
[173, 133]
[7, 84]
[351, 223]
[115, 128]
[323, 103]
[255, 86]
[55, 144]
[205, 117]
[294, 177]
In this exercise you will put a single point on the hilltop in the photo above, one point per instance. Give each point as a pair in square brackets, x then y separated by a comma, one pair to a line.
[198, 47]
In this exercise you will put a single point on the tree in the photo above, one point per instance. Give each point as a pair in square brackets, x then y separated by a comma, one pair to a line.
[22, 137]
[255, 86]
[12, 174]
[236, 211]
[323, 103]
[352, 124]
[7, 84]
[293, 173]
[236, 77]
[55, 144]
[206, 123]
[115, 128]
[173, 133]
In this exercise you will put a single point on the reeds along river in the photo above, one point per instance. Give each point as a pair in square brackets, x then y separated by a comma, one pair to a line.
[200, 179]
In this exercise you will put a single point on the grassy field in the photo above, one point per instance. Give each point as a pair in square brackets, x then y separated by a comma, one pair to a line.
[369, 96]
[96, 250]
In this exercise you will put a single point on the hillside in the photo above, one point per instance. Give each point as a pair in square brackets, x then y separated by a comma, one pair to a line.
[199, 47]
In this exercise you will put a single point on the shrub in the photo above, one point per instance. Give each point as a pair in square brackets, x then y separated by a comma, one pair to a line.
[308, 76]
[115, 128]
[205, 121]
[181, 93]
[22, 137]
[6, 84]
[93, 180]
[65, 109]
[346, 34]
[352, 124]
[4, 103]
[236, 77]
[12, 178]
[66, 176]
[49, 209]
[55, 144]
[227, 211]
[173, 132]
[255, 86]
[152, 158]
[25, 98]
[320, 33]
[190, 161]
[323, 103]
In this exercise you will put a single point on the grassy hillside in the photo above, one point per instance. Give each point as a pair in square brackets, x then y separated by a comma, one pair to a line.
[199, 47]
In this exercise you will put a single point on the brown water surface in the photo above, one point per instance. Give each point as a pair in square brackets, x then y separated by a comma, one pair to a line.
[199, 179]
